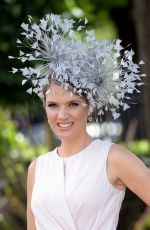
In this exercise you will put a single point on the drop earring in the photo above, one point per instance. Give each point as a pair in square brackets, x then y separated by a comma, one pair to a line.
[90, 118]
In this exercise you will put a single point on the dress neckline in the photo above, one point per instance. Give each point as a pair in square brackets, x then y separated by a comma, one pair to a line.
[76, 154]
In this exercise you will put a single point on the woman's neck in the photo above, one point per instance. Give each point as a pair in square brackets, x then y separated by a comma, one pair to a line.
[73, 146]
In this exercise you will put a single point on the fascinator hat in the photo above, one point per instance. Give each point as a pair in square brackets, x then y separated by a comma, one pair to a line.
[65, 51]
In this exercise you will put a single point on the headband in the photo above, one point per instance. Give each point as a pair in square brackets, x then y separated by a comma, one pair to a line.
[65, 51]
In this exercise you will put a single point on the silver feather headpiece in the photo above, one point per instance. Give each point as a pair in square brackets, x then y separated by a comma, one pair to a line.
[65, 51]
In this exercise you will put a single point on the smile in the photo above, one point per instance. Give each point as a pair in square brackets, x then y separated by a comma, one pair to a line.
[65, 125]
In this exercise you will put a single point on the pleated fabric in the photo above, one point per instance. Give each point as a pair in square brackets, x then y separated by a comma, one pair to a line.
[74, 193]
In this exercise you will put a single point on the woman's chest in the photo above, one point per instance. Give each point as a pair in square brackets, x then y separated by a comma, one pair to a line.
[71, 184]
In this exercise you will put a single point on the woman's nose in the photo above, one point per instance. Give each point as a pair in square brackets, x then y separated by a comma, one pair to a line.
[63, 113]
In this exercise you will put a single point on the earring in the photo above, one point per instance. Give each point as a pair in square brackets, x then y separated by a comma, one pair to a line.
[90, 118]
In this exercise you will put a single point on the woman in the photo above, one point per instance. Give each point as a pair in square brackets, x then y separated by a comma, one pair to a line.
[81, 183]
[84, 191]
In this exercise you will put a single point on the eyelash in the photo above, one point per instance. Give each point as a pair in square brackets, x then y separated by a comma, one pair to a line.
[72, 104]
[51, 105]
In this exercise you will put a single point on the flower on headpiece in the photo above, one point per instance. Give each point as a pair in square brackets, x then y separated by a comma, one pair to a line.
[101, 70]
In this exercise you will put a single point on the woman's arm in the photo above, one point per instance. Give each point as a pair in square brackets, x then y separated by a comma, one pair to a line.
[30, 183]
[131, 171]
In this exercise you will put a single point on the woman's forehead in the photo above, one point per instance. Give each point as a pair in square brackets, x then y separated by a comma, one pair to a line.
[56, 91]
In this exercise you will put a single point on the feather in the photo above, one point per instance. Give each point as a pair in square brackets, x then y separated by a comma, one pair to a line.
[101, 70]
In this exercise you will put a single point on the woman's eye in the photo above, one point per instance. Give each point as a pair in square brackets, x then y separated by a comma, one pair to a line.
[51, 105]
[73, 104]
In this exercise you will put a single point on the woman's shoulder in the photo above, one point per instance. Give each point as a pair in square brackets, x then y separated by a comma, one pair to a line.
[118, 153]
[122, 162]
[117, 156]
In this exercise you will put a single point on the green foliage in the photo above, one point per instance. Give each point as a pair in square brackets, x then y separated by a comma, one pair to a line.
[15, 155]
[147, 224]
[13, 144]
[139, 147]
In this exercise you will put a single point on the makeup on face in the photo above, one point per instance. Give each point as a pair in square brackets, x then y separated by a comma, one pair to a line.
[67, 112]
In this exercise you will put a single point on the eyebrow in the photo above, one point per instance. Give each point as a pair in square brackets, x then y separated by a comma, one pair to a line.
[75, 100]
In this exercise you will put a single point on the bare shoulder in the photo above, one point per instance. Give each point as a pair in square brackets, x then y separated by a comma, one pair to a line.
[122, 157]
[115, 157]
[119, 151]
[122, 160]
[117, 154]
[128, 169]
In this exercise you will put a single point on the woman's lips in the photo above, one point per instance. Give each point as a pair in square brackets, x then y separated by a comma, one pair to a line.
[65, 125]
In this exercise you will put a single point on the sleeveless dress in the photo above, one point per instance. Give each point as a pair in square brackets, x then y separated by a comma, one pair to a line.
[74, 193]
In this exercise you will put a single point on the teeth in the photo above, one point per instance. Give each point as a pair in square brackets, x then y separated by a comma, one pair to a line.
[66, 125]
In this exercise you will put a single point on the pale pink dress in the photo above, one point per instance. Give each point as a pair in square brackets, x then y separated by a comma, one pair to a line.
[74, 193]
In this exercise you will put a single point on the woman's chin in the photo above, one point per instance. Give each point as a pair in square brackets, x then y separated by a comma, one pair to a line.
[66, 136]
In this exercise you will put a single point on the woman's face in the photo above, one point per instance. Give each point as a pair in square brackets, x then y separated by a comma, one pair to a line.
[66, 112]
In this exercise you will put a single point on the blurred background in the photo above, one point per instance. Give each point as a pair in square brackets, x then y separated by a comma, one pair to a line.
[24, 133]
